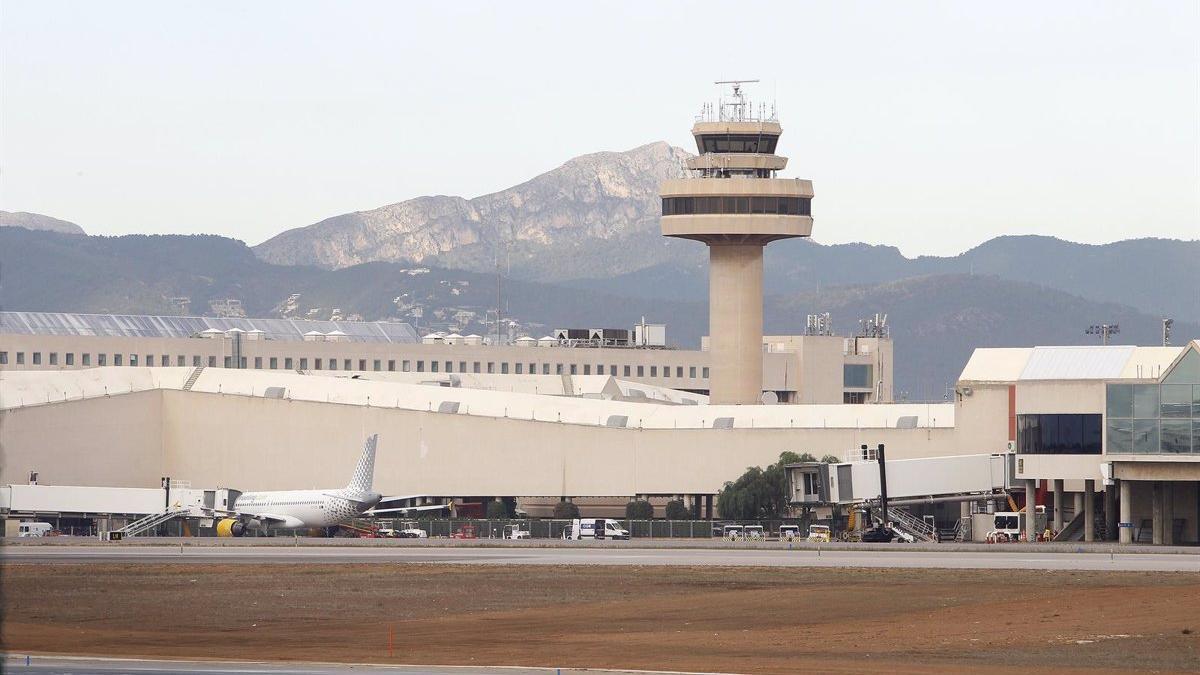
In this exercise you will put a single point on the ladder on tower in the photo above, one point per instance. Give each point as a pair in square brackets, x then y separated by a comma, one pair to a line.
[187, 386]
[151, 521]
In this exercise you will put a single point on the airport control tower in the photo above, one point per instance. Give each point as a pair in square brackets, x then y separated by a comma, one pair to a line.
[732, 201]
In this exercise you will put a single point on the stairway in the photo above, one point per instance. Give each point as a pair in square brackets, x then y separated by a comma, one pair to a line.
[904, 523]
[187, 386]
[149, 522]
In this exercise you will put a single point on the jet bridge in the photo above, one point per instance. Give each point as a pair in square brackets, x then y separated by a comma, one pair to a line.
[911, 481]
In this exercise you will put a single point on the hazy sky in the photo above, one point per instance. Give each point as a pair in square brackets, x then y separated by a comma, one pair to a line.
[930, 126]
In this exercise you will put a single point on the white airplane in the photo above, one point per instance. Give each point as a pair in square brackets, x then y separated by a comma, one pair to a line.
[295, 509]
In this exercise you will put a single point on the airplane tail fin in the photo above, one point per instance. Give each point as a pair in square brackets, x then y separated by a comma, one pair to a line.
[364, 473]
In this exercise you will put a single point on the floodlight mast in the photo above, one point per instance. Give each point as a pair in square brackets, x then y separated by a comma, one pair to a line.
[1104, 330]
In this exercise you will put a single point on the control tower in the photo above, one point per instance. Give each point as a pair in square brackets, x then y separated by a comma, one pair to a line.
[731, 200]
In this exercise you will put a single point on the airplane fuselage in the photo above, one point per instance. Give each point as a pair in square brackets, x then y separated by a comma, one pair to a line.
[291, 509]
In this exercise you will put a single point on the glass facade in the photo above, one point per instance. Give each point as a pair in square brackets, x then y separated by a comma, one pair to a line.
[1153, 418]
[754, 143]
[1058, 434]
[686, 206]
[857, 375]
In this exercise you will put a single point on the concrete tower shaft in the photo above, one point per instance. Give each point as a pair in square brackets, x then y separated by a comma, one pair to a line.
[731, 200]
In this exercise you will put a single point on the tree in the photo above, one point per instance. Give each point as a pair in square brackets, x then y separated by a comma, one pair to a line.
[498, 511]
[677, 510]
[566, 511]
[758, 493]
[831, 459]
[639, 509]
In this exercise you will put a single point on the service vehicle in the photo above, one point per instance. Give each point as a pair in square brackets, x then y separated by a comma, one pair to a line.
[515, 532]
[34, 529]
[595, 528]
[789, 532]
[754, 533]
[820, 534]
[731, 532]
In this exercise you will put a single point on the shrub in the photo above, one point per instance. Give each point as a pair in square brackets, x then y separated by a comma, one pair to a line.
[677, 510]
[566, 510]
[639, 509]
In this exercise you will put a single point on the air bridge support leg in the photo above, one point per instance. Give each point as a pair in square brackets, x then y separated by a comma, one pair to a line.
[1089, 510]
[1110, 512]
[1030, 510]
[1156, 511]
[1058, 505]
[1125, 535]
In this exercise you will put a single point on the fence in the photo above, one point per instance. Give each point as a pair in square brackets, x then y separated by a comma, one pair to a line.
[553, 529]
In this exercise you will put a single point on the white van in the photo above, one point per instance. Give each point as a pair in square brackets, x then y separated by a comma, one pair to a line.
[595, 528]
[34, 530]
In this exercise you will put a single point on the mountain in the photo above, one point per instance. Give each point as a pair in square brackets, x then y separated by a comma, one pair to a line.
[599, 197]
[36, 221]
[936, 319]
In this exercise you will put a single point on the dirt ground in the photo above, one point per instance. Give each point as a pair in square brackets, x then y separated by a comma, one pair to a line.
[742, 620]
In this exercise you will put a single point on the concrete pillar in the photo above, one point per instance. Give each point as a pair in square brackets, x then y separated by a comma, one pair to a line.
[1156, 512]
[1030, 510]
[1125, 534]
[1078, 503]
[1110, 512]
[708, 507]
[1089, 510]
[735, 323]
[1058, 506]
[1168, 490]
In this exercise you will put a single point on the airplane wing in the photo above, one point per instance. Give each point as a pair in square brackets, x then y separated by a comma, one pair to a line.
[284, 521]
[408, 509]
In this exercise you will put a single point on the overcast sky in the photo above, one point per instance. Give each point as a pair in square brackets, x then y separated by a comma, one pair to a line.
[932, 127]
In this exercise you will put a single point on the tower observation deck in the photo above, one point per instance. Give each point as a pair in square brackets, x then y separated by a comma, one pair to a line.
[732, 200]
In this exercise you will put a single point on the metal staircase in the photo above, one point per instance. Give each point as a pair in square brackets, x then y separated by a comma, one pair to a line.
[149, 522]
[904, 523]
[187, 386]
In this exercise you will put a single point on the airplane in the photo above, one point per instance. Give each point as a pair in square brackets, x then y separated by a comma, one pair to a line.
[295, 509]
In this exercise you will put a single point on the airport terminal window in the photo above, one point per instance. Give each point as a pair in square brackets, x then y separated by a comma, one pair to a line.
[317, 363]
[491, 367]
[101, 359]
[692, 372]
[20, 358]
[752, 143]
[229, 362]
[573, 368]
[133, 359]
[475, 367]
[333, 364]
[625, 370]
[612, 369]
[599, 368]
[420, 366]
[376, 365]
[70, 358]
[303, 363]
[545, 368]
[587, 369]
[856, 375]
[3, 358]
[404, 366]
[347, 364]
[1057, 434]
[520, 368]
[558, 370]
[165, 361]
[641, 371]
[37, 359]
[258, 363]
[705, 376]
[149, 361]
[274, 362]
[533, 369]
[287, 363]
[116, 359]
[212, 362]
[391, 365]
[678, 371]
[1152, 418]
[504, 368]
[687, 206]
[54, 358]
[433, 366]
[449, 367]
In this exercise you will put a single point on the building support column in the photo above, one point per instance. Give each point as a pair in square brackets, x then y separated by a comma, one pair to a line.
[1125, 527]
[1156, 512]
[708, 507]
[1168, 490]
[1078, 504]
[735, 323]
[1058, 506]
[1030, 510]
[1089, 510]
[1110, 512]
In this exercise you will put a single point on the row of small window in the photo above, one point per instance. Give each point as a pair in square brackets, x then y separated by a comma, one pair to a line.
[1169, 436]
[406, 366]
[1054, 434]
[755, 143]
[685, 206]
[1147, 401]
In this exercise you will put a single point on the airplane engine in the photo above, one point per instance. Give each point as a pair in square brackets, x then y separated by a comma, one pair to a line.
[230, 527]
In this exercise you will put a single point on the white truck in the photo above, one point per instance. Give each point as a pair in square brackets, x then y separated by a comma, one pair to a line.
[595, 528]
[32, 529]
[515, 532]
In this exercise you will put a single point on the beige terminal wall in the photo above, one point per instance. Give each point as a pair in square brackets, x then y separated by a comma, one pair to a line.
[256, 443]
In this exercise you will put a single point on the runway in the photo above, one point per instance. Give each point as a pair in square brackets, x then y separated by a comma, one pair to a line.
[992, 559]
[71, 665]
